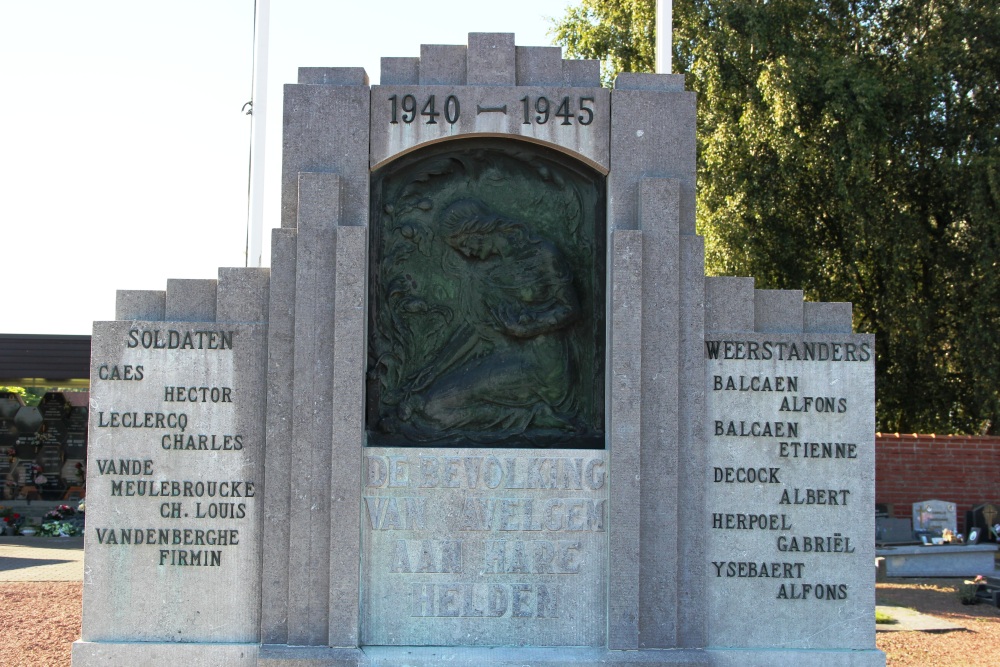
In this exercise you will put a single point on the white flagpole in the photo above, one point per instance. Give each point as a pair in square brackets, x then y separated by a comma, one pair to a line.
[258, 120]
[664, 36]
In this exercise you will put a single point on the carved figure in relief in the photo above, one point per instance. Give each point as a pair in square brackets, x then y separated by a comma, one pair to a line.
[486, 310]
[506, 366]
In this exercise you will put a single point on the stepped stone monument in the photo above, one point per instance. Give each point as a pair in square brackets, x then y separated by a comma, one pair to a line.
[484, 408]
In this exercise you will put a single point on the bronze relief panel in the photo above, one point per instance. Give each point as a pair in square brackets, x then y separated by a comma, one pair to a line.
[487, 299]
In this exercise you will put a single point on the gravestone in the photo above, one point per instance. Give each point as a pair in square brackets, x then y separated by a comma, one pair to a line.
[9, 405]
[983, 517]
[484, 408]
[893, 531]
[934, 516]
[54, 405]
[76, 433]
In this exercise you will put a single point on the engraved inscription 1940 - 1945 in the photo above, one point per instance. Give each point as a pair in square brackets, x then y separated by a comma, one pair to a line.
[487, 299]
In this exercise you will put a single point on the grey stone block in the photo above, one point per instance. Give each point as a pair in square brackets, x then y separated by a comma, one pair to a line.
[796, 658]
[333, 76]
[278, 426]
[659, 205]
[729, 305]
[311, 656]
[659, 218]
[759, 418]
[492, 111]
[400, 72]
[349, 359]
[491, 59]
[643, 144]
[966, 560]
[443, 64]
[691, 456]
[140, 305]
[539, 66]
[778, 311]
[309, 511]
[191, 300]
[500, 656]
[509, 656]
[139, 584]
[94, 654]
[582, 73]
[517, 539]
[827, 317]
[242, 295]
[313, 143]
[670, 83]
[625, 321]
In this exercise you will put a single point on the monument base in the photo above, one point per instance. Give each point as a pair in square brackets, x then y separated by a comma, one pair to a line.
[435, 656]
[87, 654]
[795, 657]
[91, 654]
[939, 561]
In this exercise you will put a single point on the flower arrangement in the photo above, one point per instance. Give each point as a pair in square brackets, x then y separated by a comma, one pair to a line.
[81, 474]
[38, 476]
[63, 521]
[35, 440]
[11, 521]
[967, 590]
[59, 513]
[59, 529]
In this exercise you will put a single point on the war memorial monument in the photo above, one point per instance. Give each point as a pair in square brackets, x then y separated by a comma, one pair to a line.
[484, 408]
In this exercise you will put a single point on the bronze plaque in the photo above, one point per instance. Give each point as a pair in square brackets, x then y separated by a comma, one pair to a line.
[487, 299]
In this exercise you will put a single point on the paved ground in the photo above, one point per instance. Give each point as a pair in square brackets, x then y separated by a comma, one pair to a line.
[908, 619]
[41, 558]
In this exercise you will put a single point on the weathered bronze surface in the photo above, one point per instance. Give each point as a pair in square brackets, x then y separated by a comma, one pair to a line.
[487, 299]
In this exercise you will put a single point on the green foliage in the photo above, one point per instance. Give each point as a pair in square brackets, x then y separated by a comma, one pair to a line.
[29, 396]
[852, 149]
[619, 33]
[882, 617]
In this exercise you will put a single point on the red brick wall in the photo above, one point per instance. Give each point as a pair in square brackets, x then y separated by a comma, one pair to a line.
[964, 470]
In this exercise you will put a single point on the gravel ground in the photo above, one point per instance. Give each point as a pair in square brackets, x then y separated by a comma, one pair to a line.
[41, 620]
[978, 645]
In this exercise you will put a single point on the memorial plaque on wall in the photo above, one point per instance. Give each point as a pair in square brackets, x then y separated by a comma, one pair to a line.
[791, 459]
[26, 447]
[50, 457]
[485, 547]
[76, 433]
[53, 406]
[487, 299]
[55, 430]
[174, 470]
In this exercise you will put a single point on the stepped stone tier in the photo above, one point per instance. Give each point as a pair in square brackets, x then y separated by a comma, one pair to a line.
[484, 408]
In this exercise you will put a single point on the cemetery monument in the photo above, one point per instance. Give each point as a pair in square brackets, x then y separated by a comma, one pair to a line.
[484, 408]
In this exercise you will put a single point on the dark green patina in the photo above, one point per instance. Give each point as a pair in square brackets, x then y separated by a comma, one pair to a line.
[486, 287]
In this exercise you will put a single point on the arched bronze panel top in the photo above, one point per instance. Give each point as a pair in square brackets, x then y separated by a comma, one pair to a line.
[486, 287]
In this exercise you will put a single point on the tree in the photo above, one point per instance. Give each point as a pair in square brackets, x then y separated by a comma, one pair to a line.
[851, 149]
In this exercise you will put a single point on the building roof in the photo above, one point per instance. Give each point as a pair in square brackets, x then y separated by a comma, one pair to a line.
[46, 357]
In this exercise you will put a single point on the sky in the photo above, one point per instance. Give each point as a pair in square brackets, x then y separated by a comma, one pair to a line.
[124, 150]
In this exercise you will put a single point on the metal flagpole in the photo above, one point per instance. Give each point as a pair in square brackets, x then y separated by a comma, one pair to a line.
[258, 118]
[664, 36]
